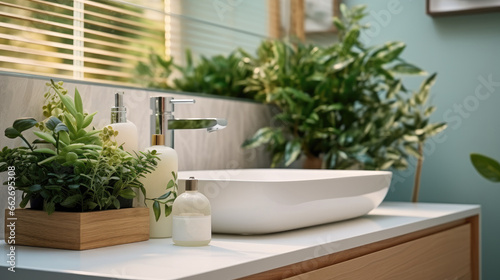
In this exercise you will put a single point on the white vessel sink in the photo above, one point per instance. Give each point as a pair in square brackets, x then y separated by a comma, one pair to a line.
[259, 201]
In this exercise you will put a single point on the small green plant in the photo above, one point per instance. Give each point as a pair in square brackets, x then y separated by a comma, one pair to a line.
[82, 169]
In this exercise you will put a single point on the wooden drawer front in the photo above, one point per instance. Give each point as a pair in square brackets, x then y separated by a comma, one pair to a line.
[440, 256]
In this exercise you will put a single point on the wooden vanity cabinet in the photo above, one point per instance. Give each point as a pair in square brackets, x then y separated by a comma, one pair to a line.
[449, 251]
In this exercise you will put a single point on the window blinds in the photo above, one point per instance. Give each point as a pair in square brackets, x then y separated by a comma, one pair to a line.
[90, 40]
[104, 40]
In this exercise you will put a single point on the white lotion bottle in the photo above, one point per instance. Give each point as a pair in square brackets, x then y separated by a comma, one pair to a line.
[192, 219]
[156, 182]
[127, 131]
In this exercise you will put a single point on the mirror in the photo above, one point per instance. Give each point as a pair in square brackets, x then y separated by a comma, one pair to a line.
[184, 45]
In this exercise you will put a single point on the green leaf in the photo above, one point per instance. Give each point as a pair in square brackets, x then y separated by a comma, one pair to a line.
[68, 103]
[351, 38]
[88, 120]
[23, 124]
[52, 123]
[35, 188]
[72, 147]
[486, 166]
[406, 68]
[45, 151]
[156, 210]
[71, 201]
[116, 202]
[170, 184]
[45, 136]
[298, 94]
[394, 89]
[127, 193]
[390, 52]
[292, 151]
[25, 200]
[411, 138]
[338, 23]
[342, 64]
[78, 102]
[61, 127]
[74, 186]
[64, 138]
[79, 120]
[165, 195]
[262, 136]
[386, 165]
[53, 187]
[433, 129]
[12, 133]
[47, 160]
[425, 87]
[49, 207]
[92, 205]
[168, 210]
[410, 149]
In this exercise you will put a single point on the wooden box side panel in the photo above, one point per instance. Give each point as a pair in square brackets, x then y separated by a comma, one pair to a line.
[116, 227]
[79, 231]
[37, 228]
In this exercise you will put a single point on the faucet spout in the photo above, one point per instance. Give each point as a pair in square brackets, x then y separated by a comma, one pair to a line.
[163, 121]
[211, 124]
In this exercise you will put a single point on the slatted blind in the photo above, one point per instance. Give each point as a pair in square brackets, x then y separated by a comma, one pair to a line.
[90, 40]
[103, 40]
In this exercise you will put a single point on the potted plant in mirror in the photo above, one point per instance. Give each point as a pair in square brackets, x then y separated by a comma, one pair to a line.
[220, 75]
[339, 105]
[80, 174]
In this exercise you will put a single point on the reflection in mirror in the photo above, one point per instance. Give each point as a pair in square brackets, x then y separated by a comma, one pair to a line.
[84, 40]
[103, 40]
[186, 45]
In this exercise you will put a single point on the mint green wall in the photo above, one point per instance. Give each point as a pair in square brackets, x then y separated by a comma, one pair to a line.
[465, 52]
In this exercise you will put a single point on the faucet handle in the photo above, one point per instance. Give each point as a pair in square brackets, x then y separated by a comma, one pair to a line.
[182, 101]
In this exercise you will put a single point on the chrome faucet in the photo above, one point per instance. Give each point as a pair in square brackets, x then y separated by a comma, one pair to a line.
[164, 122]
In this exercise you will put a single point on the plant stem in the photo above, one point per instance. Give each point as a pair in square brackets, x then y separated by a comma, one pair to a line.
[418, 172]
[26, 141]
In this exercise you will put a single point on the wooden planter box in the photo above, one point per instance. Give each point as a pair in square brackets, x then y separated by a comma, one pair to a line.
[78, 231]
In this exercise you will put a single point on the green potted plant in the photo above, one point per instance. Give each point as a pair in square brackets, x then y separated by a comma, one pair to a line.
[82, 170]
[218, 75]
[340, 106]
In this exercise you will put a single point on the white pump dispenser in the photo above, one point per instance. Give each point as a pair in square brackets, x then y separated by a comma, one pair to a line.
[127, 131]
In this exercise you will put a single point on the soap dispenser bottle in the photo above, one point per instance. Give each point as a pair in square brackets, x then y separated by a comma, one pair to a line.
[127, 131]
[192, 220]
[156, 182]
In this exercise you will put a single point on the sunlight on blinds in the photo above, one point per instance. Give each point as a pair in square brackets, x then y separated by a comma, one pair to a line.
[104, 40]
[97, 41]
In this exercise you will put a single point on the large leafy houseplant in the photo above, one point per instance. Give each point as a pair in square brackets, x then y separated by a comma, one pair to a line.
[82, 169]
[344, 102]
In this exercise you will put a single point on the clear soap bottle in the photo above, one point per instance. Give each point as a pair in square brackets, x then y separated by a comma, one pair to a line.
[192, 220]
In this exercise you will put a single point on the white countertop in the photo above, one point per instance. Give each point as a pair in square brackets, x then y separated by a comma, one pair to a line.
[233, 256]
